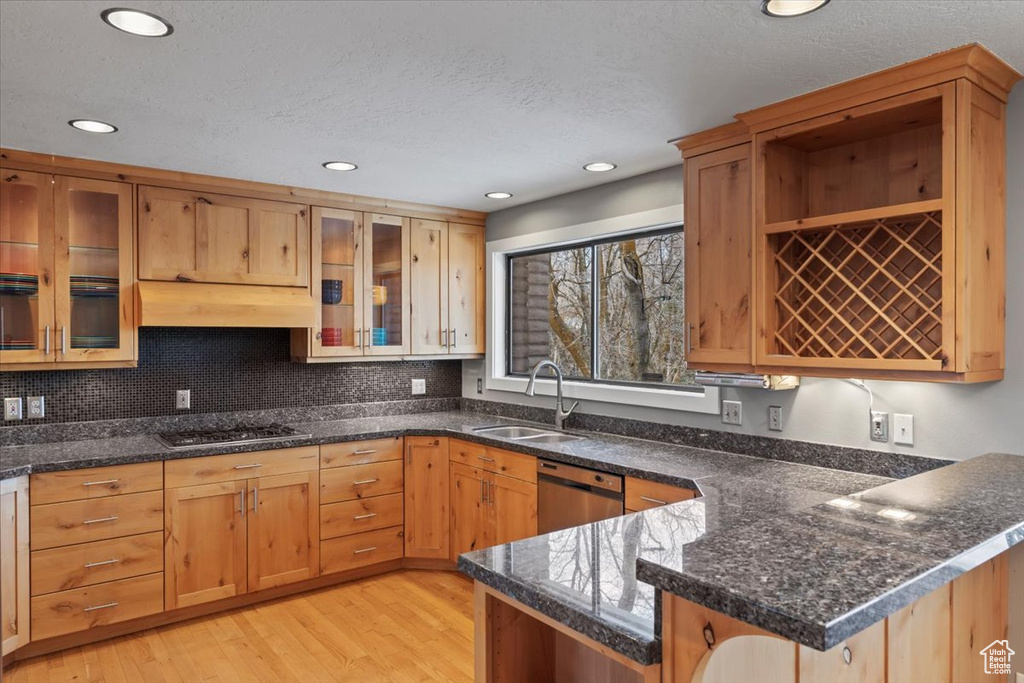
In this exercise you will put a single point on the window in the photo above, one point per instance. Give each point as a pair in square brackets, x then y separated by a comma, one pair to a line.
[610, 310]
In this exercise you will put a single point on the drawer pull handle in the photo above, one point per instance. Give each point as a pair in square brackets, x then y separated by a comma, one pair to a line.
[365, 481]
[101, 519]
[248, 467]
[366, 451]
[364, 550]
[366, 516]
[654, 500]
[101, 564]
[484, 458]
[100, 483]
[96, 607]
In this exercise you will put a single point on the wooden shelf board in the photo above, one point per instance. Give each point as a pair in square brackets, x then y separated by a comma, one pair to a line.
[850, 217]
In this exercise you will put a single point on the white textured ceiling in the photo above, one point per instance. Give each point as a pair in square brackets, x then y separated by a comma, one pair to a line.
[439, 102]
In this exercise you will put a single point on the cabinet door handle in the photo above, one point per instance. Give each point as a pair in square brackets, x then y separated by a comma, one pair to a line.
[452, 338]
[102, 482]
[101, 519]
[484, 458]
[104, 563]
[365, 451]
[63, 339]
[483, 491]
[689, 337]
[248, 467]
[46, 341]
[241, 502]
[444, 338]
[368, 515]
[369, 339]
[365, 481]
[654, 500]
[359, 338]
[493, 492]
[93, 608]
[255, 499]
[364, 550]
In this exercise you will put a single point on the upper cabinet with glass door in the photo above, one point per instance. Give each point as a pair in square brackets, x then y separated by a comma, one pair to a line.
[67, 271]
[386, 285]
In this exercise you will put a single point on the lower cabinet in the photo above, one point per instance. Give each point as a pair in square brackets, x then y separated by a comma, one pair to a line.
[246, 534]
[426, 497]
[489, 508]
[642, 494]
[14, 564]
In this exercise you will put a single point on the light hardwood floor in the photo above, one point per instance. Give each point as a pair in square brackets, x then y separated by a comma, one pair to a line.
[403, 626]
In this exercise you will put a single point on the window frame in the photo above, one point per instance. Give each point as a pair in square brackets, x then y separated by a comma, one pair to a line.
[497, 377]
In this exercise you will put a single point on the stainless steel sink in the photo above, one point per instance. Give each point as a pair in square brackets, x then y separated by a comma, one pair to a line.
[550, 437]
[532, 434]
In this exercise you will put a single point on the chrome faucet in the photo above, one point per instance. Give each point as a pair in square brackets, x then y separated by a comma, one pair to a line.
[560, 413]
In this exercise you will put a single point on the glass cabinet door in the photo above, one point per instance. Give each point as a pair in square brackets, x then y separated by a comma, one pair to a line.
[26, 267]
[94, 302]
[386, 285]
[338, 282]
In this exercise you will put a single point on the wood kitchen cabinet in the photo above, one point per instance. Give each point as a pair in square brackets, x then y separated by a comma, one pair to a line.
[427, 503]
[856, 230]
[14, 564]
[229, 532]
[718, 259]
[67, 276]
[189, 236]
[447, 269]
[489, 508]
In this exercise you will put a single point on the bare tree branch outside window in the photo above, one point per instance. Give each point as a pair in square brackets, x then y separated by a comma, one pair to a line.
[640, 317]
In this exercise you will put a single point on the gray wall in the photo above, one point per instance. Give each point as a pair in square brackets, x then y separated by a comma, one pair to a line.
[949, 421]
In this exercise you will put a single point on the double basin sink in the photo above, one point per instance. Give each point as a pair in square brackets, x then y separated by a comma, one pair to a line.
[529, 434]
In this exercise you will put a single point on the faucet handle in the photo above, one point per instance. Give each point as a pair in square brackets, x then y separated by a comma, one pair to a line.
[571, 408]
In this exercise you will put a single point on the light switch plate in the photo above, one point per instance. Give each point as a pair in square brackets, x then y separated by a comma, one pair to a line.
[419, 386]
[12, 408]
[36, 407]
[903, 429]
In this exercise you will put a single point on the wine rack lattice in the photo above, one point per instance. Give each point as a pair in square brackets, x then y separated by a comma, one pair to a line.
[867, 290]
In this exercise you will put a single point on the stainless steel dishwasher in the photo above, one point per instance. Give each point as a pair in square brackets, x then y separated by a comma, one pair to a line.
[569, 496]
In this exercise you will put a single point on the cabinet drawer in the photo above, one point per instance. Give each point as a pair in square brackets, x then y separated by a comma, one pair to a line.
[107, 603]
[236, 466]
[86, 564]
[644, 495]
[511, 464]
[81, 521]
[361, 550]
[360, 452]
[95, 482]
[361, 481]
[356, 516]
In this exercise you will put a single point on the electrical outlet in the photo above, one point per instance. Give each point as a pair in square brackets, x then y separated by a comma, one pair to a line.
[419, 386]
[183, 399]
[775, 418]
[903, 429]
[479, 385]
[879, 426]
[732, 412]
[36, 407]
[12, 408]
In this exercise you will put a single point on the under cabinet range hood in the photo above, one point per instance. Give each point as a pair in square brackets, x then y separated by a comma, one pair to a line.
[197, 304]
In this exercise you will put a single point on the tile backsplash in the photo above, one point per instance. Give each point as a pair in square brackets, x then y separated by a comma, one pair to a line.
[227, 369]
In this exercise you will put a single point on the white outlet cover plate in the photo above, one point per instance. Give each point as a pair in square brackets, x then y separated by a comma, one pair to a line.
[903, 429]
[419, 386]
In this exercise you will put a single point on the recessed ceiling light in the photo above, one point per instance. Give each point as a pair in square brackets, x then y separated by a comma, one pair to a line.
[137, 22]
[90, 126]
[790, 8]
[599, 167]
[498, 195]
[339, 166]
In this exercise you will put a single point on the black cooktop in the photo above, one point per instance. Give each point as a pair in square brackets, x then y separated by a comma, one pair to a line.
[239, 434]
